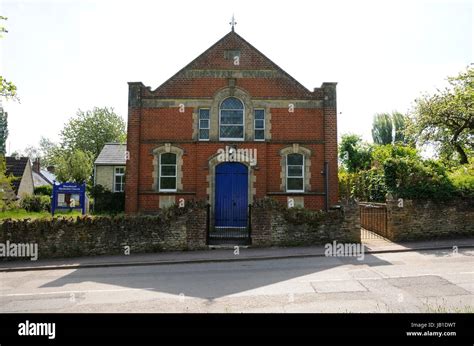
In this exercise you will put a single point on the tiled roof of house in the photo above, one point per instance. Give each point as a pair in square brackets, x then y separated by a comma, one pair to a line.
[16, 167]
[112, 154]
[50, 177]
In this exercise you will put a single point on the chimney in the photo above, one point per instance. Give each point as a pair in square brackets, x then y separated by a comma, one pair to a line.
[50, 169]
[36, 165]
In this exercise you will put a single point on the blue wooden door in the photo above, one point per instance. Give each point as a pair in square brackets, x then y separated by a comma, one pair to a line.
[231, 195]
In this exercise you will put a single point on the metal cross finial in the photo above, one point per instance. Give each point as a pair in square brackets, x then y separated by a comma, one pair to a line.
[233, 22]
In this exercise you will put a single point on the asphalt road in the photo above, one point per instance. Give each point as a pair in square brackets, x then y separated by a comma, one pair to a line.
[427, 281]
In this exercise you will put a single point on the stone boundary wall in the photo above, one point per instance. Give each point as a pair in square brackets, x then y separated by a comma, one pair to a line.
[63, 237]
[86, 236]
[270, 227]
[419, 219]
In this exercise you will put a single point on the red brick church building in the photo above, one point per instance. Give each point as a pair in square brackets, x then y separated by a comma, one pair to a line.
[229, 128]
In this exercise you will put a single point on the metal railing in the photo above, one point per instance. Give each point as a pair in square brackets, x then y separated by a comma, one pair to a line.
[373, 217]
[218, 235]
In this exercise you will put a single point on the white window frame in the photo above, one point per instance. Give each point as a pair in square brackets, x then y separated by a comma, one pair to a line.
[168, 176]
[203, 128]
[302, 172]
[255, 127]
[119, 175]
[243, 121]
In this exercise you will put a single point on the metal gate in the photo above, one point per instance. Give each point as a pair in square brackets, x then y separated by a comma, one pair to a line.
[373, 217]
[231, 210]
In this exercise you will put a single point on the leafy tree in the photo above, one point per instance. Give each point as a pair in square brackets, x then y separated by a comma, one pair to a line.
[6, 188]
[7, 89]
[2, 28]
[367, 185]
[417, 179]
[354, 154]
[47, 151]
[401, 122]
[50, 152]
[381, 153]
[446, 118]
[32, 152]
[3, 131]
[382, 129]
[463, 179]
[391, 128]
[89, 131]
[75, 166]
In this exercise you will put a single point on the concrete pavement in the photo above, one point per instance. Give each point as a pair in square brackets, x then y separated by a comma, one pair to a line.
[373, 244]
[412, 281]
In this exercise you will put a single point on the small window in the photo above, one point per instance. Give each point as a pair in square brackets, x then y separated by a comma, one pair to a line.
[231, 119]
[167, 172]
[204, 124]
[230, 54]
[294, 173]
[259, 124]
[119, 179]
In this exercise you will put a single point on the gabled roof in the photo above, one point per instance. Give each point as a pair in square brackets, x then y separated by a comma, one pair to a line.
[48, 176]
[39, 180]
[43, 177]
[16, 167]
[112, 154]
[251, 59]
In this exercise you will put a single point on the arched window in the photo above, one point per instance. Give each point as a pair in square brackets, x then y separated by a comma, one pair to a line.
[294, 173]
[167, 178]
[231, 119]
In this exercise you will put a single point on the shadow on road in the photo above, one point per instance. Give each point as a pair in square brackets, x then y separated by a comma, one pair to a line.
[210, 280]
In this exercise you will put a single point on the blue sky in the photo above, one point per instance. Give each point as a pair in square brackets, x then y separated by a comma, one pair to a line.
[65, 55]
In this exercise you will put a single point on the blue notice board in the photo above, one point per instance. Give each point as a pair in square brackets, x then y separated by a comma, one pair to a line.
[69, 196]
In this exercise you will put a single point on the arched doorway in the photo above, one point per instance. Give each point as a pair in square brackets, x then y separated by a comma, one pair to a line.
[231, 204]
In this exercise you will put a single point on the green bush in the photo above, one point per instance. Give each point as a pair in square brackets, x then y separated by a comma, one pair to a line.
[7, 205]
[366, 185]
[36, 203]
[45, 190]
[416, 179]
[355, 154]
[174, 211]
[381, 153]
[462, 179]
[400, 171]
[295, 215]
[106, 201]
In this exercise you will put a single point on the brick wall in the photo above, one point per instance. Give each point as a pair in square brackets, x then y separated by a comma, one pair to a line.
[158, 126]
[155, 119]
[132, 172]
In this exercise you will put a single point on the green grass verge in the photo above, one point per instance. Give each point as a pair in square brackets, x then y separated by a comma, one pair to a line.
[23, 214]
